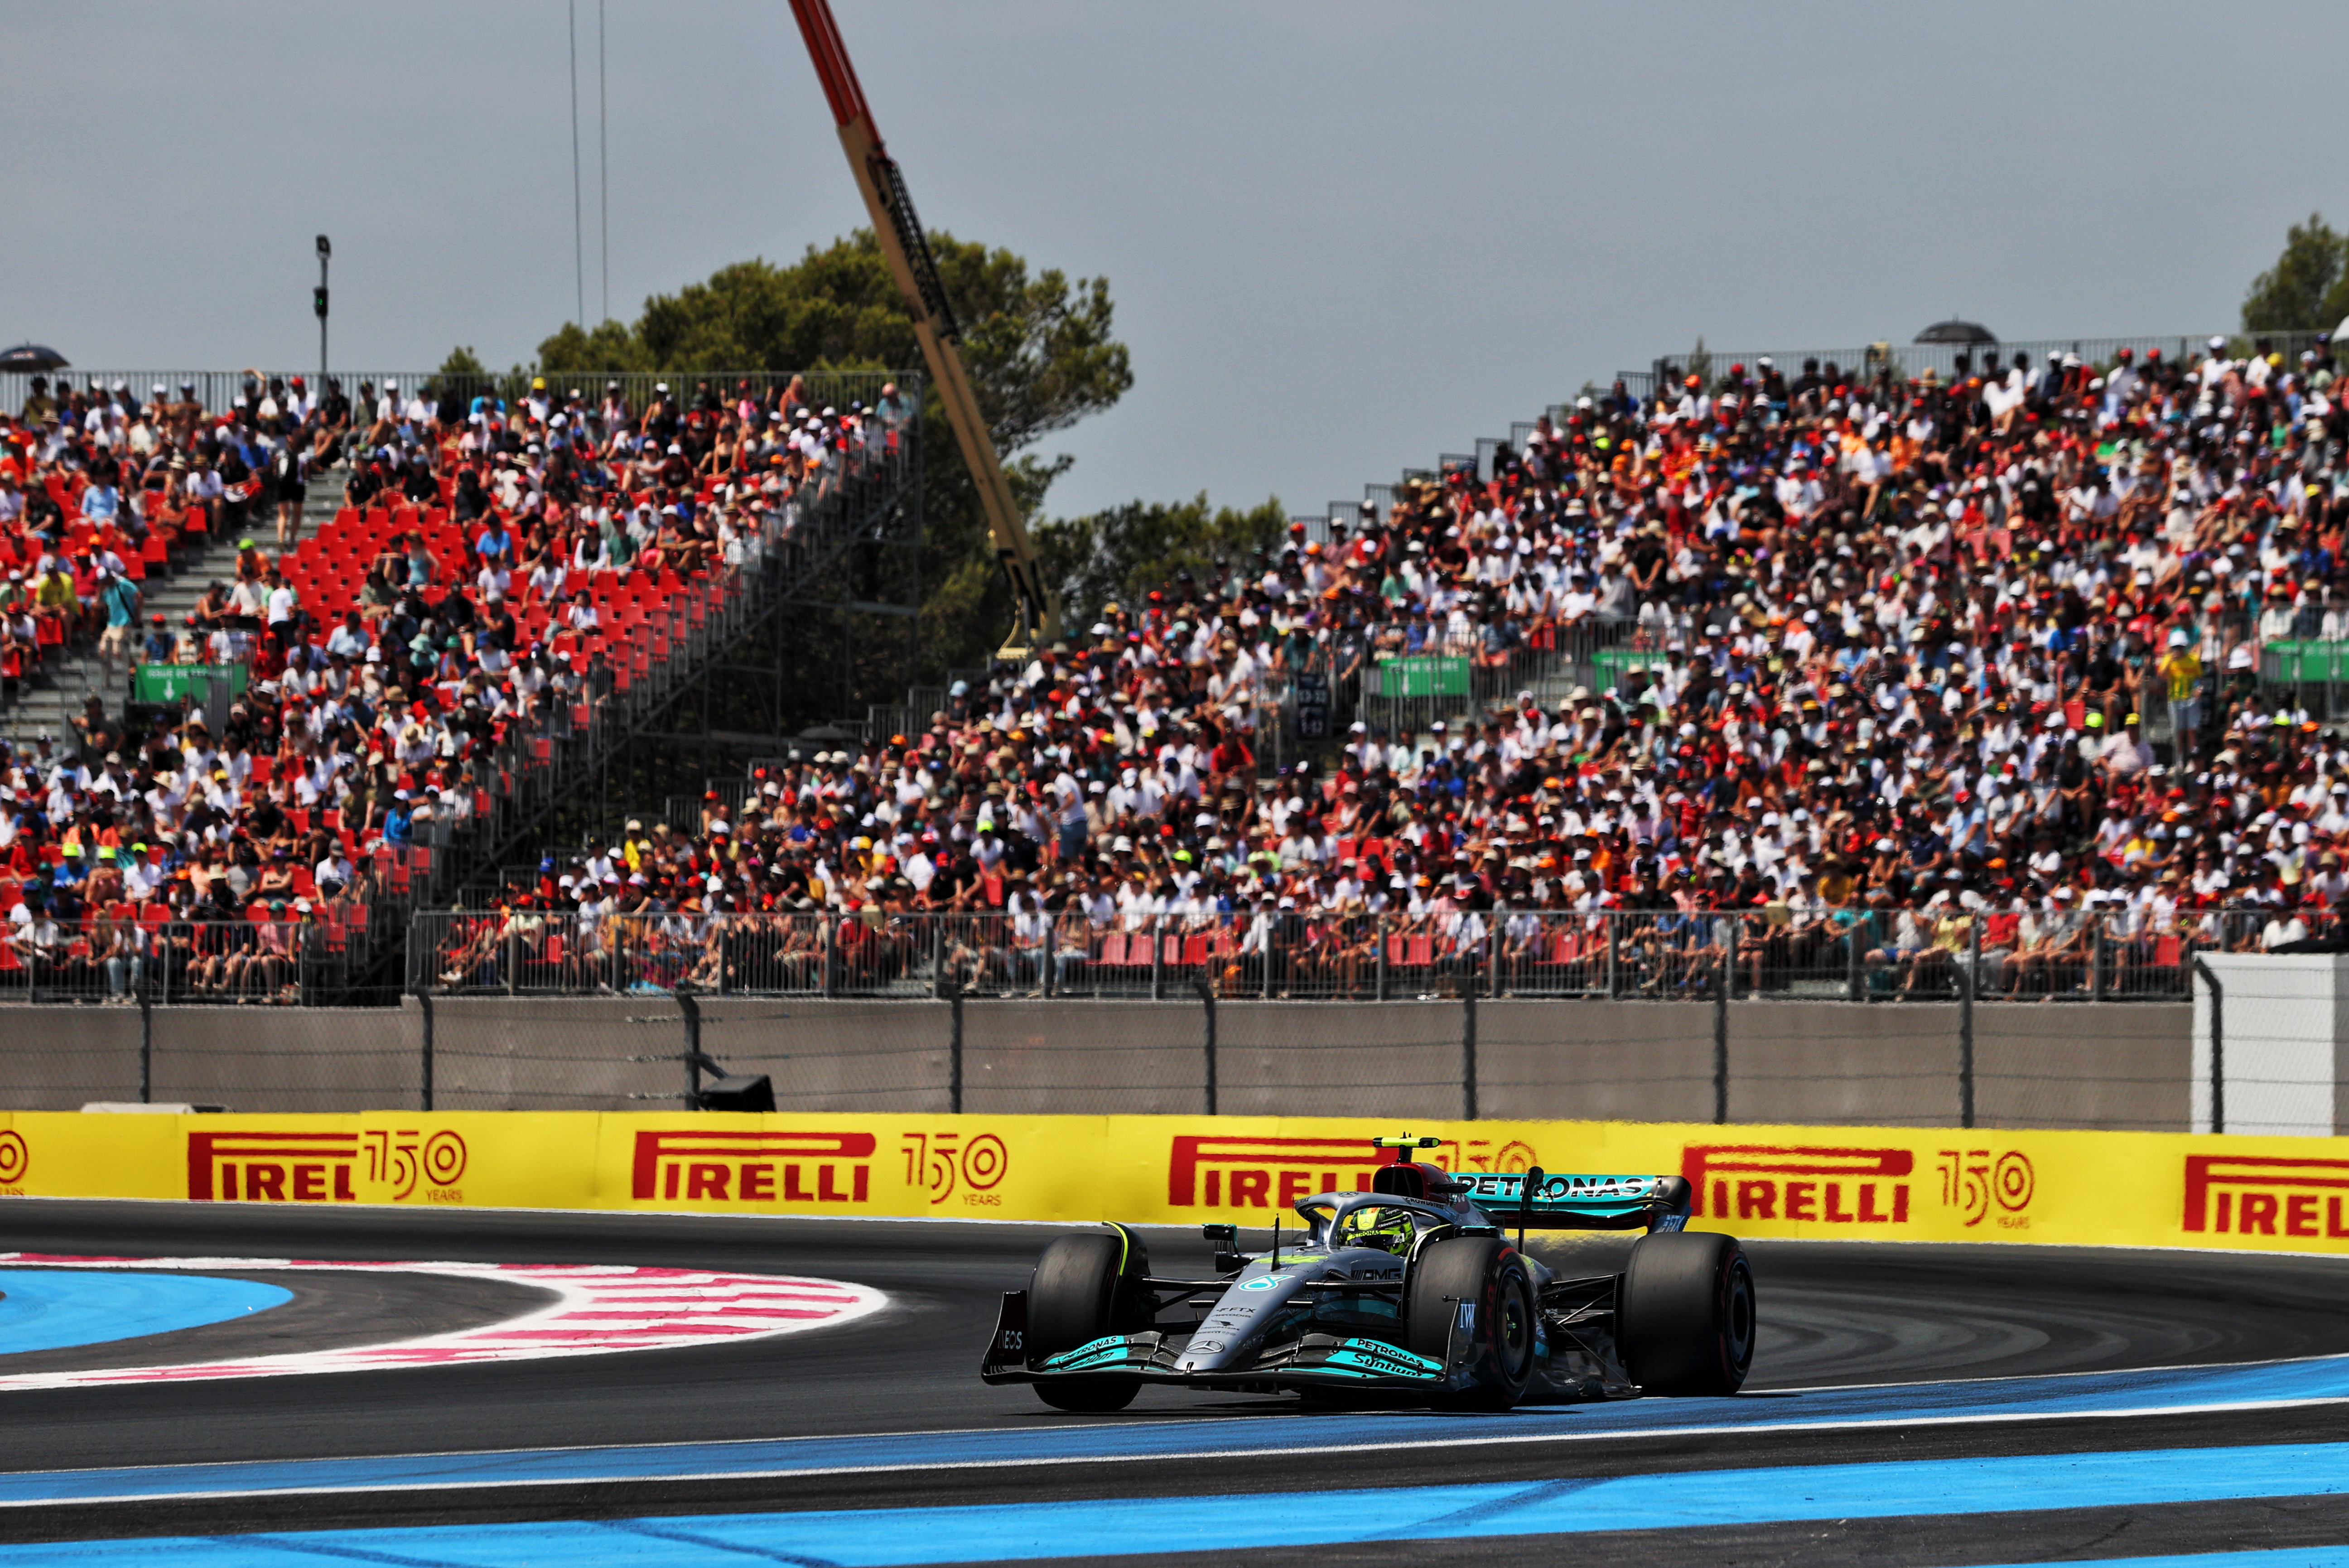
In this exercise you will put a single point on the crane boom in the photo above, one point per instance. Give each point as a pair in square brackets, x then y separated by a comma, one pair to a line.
[917, 273]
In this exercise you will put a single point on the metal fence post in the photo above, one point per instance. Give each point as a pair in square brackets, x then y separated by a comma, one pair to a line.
[1721, 1040]
[424, 1065]
[1854, 985]
[514, 964]
[1966, 980]
[2097, 954]
[1614, 955]
[1379, 927]
[1468, 1047]
[2218, 1045]
[690, 1011]
[1158, 958]
[831, 934]
[1493, 976]
[939, 956]
[1207, 1001]
[954, 1046]
[146, 1039]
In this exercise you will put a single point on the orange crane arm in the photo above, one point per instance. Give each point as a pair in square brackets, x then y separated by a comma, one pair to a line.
[910, 263]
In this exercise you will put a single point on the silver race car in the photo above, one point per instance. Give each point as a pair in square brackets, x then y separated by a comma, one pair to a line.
[1410, 1292]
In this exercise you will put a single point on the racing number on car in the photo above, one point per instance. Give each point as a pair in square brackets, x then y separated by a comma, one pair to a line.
[1972, 1182]
[940, 1163]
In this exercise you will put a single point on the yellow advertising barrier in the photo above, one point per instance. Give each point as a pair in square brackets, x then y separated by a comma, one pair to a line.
[1856, 1183]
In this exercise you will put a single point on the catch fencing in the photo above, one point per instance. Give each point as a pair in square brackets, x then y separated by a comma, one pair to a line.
[1758, 1061]
[1840, 955]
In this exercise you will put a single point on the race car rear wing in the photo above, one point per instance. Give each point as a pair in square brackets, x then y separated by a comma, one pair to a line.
[1574, 1202]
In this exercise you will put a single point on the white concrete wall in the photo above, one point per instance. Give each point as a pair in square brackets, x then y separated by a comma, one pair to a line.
[2285, 1017]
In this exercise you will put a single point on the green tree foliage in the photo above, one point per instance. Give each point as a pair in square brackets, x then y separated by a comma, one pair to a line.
[1126, 551]
[2307, 289]
[462, 361]
[1039, 347]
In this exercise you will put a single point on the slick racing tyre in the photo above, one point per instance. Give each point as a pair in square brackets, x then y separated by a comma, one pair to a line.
[1077, 1296]
[1491, 1274]
[1685, 1322]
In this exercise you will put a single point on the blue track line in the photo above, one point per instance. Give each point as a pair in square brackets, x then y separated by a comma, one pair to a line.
[50, 1308]
[2323, 1378]
[884, 1538]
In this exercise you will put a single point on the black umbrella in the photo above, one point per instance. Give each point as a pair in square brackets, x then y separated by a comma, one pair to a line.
[32, 357]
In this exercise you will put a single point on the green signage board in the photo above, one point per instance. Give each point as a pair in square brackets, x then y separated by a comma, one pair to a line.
[1423, 675]
[169, 682]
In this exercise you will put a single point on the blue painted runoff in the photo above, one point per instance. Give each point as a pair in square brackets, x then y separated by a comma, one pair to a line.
[2281, 1557]
[2319, 1379]
[50, 1308]
[883, 1538]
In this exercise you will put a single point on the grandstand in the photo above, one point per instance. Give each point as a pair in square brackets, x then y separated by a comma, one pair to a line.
[2009, 672]
[500, 594]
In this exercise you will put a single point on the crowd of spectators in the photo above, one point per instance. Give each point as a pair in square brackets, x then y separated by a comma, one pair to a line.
[485, 572]
[1908, 667]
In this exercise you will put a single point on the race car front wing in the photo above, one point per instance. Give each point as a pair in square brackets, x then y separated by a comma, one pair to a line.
[1309, 1361]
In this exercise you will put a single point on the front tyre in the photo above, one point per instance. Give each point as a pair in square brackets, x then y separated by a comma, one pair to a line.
[1685, 1322]
[1489, 1272]
[1077, 1295]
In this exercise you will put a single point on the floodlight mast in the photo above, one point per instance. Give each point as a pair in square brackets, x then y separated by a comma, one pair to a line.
[910, 263]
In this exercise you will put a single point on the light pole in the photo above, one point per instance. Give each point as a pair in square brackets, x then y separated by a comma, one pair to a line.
[319, 304]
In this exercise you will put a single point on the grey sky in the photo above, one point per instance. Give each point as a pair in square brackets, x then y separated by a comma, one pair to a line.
[1341, 237]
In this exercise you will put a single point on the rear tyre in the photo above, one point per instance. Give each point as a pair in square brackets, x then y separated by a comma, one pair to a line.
[1077, 1295]
[1685, 1322]
[1491, 1274]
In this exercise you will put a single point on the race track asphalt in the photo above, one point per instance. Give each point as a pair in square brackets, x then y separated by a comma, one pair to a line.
[1832, 1315]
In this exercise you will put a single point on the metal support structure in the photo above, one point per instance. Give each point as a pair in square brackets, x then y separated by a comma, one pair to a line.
[1468, 1048]
[146, 1038]
[689, 1009]
[1158, 958]
[424, 1008]
[1380, 928]
[2218, 1045]
[907, 252]
[319, 304]
[1966, 981]
[954, 1046]
[1207, 1000]
[1721, 1040]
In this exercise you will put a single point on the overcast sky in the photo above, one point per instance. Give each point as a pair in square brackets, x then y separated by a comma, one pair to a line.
[1341, 238]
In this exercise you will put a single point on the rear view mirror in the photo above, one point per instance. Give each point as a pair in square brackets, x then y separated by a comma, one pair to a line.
[1226, 1239]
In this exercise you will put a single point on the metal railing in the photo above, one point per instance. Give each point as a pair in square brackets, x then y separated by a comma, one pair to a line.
[218, 391]
[287, 963]
[1913, 360]
[1841, 955]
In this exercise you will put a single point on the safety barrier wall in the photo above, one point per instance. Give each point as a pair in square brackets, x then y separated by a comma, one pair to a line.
[1812, 1063]
[1861, 1183]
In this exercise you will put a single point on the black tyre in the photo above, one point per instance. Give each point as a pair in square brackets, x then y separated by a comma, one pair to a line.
[1490, 1272]
[1684, 1323]
[1078, 1295]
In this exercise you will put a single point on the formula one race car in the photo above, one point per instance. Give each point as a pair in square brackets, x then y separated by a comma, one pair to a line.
[1410, 1292]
